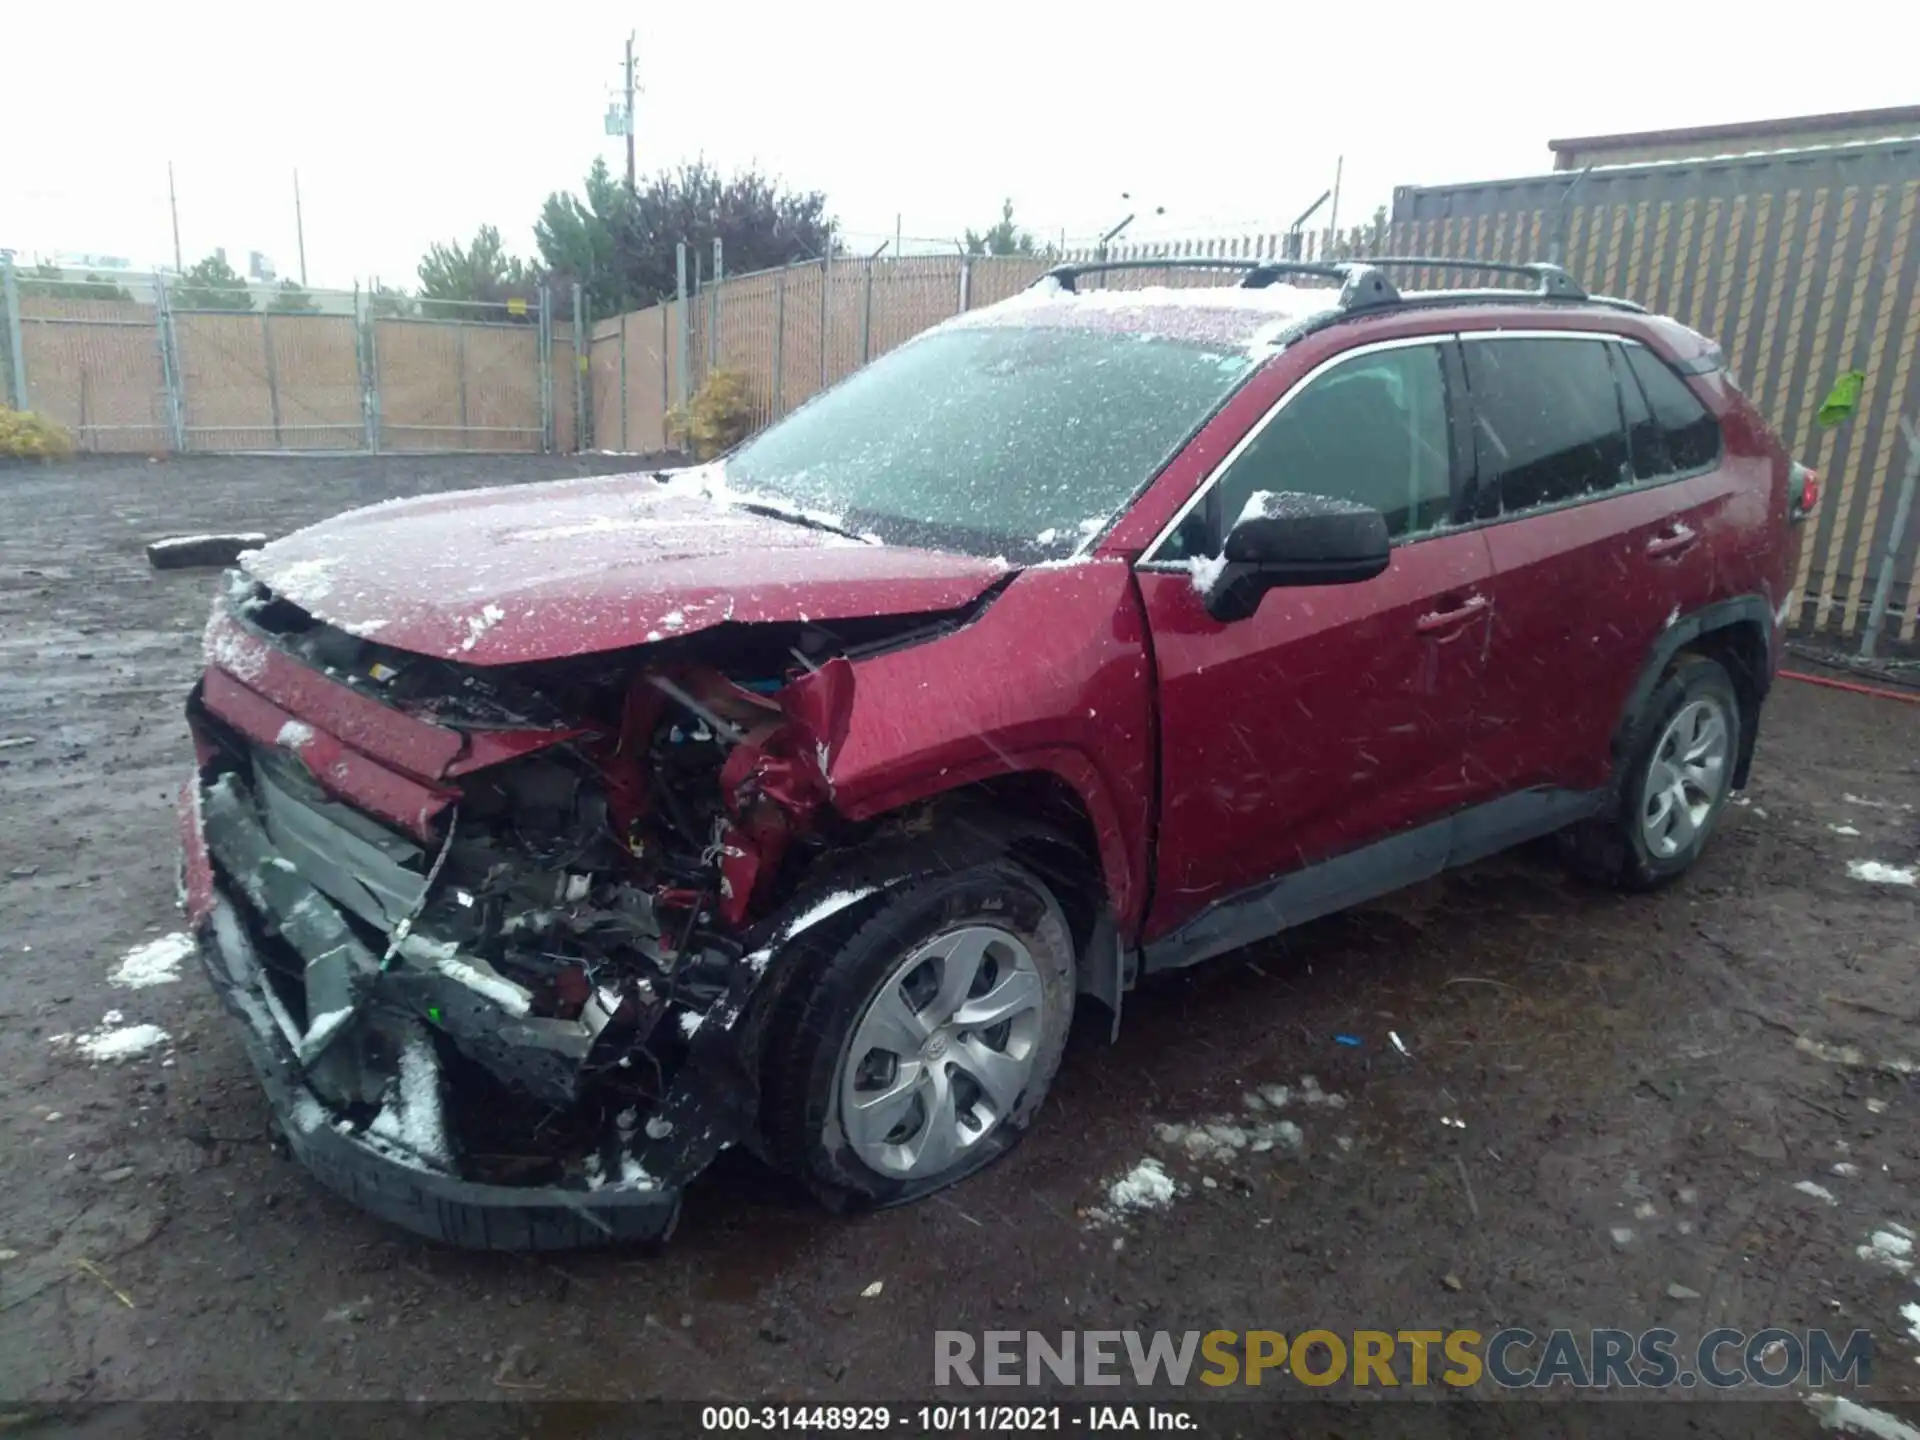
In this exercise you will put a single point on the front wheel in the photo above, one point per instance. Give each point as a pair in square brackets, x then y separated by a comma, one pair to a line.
[921, 1049]
[1678, 775]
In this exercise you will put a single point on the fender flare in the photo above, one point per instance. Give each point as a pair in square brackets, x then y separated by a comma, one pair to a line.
[1719, 616]
[1073, 768]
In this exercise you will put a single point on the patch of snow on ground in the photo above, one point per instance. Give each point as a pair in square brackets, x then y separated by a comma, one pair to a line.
[1843, 829]
[1911, 1314]
[113, 1040]
[1145, 1187]
[294, 734]
[155, 963]
[690, 1022]
[1836, 1412]
[1816, 1190]
[1875, 873]
[478, 625]
[1890, 1249]
[1311, 1092]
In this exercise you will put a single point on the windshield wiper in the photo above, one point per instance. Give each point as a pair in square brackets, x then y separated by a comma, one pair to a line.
[812, 522]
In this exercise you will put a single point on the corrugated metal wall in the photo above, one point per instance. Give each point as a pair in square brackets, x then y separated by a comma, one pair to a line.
[1802, 264]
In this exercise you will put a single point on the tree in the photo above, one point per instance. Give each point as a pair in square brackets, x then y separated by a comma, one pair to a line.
[290, 299]
[49, 282]
[620, 245]
[480, 272]
[387, 304]
[212, 285]
[1005, 238]
[583, 241]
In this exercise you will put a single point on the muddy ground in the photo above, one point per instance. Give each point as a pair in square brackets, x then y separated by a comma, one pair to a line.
[1642, 1082]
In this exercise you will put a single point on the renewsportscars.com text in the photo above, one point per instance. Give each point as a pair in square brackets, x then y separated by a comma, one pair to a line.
[1513, 1358]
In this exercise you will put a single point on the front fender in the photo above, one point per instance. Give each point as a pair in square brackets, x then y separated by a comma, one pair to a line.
[1052, 678]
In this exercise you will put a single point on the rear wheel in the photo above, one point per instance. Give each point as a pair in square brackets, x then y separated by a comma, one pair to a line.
[924, 1045]
[1677, 779]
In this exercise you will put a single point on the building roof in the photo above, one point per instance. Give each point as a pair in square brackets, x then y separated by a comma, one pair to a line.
[1743, 134]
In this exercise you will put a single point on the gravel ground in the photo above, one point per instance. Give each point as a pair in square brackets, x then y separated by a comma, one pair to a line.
[1606, 1109]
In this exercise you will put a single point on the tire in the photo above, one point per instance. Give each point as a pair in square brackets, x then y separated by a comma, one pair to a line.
[955, 1091]
[1629, 847]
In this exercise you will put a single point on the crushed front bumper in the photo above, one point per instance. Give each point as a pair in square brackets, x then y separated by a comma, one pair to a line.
[243, 895]
[442, 1207]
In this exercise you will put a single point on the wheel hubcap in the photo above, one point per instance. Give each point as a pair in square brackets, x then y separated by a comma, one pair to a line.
[942, 1053]
[1686, 779]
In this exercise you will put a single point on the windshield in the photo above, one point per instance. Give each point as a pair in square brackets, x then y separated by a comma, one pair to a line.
[993, 440]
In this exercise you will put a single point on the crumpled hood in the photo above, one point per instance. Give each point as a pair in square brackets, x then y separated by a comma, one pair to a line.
[572, 567]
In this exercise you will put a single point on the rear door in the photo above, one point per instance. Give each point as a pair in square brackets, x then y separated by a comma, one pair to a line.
[1335, 715]
[1591, 563]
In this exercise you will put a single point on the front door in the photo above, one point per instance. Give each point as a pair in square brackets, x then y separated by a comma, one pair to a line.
[1335, 715]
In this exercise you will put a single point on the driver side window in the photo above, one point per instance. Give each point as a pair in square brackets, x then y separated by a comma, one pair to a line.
[1372, 429]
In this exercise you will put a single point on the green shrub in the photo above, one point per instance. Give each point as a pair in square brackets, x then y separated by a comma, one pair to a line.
[719, 417]
[25, 435]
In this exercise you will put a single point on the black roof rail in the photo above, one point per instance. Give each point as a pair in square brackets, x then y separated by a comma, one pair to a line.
[1361, 286]
[1550, 281]
[1066, 275]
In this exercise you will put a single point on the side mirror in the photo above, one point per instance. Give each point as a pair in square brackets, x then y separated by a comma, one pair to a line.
[1286, 538]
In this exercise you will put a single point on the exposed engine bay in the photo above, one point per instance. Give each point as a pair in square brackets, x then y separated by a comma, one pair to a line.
[518, 986]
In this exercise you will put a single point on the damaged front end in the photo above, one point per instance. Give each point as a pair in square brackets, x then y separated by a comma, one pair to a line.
[495, 934]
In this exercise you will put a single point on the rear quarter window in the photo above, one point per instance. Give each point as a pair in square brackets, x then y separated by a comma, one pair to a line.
[1689, 434]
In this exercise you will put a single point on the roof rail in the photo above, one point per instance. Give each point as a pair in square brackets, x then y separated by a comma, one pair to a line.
[1550, 281]
[1361, 286]
[1066, 275]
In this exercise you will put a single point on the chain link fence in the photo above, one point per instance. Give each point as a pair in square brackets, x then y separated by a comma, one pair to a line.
[145, 364]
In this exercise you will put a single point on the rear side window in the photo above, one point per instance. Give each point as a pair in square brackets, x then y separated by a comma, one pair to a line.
[1689, 435]
[1646, 442]
[1547, 425]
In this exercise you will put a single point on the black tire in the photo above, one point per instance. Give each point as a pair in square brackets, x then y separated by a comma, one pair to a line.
[1612, 849]
[800, 1111]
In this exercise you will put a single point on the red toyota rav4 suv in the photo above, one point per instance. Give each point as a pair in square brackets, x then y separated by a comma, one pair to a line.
[549, 840]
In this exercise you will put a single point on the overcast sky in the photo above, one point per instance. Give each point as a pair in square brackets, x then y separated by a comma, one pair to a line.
[411, 123]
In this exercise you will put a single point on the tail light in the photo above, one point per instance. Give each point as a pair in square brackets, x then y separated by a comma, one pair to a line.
[1803, 491]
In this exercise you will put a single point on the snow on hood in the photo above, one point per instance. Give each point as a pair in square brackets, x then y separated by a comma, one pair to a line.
[571, 567]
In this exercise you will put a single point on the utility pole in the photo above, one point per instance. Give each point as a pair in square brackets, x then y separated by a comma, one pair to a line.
[299, 228]
[630, 175]
[1333, 215]
[173, 204]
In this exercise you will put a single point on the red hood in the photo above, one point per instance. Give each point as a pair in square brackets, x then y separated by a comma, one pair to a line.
[537, 572]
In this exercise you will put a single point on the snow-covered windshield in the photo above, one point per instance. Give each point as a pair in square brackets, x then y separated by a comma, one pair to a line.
[1010, 441]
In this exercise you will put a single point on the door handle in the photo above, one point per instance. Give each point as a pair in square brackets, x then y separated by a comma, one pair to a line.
[1437, 621]
[1676, 539]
